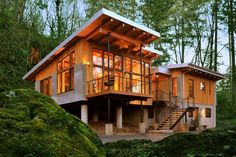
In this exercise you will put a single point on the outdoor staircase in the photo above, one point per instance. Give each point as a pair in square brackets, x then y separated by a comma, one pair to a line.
[175, 109]
[173, 119]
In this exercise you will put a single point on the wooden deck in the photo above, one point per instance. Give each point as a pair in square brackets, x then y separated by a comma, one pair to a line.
[119, 94]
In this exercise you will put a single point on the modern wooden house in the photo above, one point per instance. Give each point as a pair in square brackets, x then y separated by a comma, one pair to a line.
[102, 72]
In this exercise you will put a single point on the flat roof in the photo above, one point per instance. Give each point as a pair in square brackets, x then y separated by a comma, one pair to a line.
[85, 30]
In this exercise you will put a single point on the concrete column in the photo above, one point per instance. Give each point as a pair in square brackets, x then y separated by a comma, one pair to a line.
[84, 113]
[95, 116]
[119, 117]
[142, 128]
[80, 81]
[37, 86]
[109, 129]
[54, 84]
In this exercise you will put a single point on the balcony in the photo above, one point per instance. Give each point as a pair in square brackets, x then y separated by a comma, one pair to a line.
[130, 89]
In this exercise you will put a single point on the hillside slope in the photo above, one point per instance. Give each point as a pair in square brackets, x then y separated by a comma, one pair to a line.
[32, 124]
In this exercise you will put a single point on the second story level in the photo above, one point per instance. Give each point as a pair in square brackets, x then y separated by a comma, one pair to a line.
[109, 54]
[185, 81]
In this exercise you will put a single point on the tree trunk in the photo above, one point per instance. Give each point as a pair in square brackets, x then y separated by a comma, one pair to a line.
[216, 28]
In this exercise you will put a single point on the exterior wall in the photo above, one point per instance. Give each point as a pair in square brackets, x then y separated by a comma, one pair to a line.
[203, 120]
[200, 97]
[82, 58]
[78, 94]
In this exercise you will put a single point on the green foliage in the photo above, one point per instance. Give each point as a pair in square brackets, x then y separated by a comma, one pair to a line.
[32, 124]
[219, 142]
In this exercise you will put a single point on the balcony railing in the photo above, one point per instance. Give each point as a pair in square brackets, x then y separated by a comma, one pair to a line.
[118, 83]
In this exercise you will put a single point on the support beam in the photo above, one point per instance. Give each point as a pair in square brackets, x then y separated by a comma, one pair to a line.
[119, 36]
[84, 113]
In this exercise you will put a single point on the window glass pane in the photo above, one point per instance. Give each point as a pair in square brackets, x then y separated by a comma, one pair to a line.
[208, 113]
[59, 83]
[66, 63]
[127, 64]
[106, 59]
[97, 57]
[45, 86]
[136, 66]
[97, 72]
[118, 62]
[191, 88]
[147, 67]
[127, 82]
[118, 81]
[66, 81]
[174, 86]
[203, 86]
[136, 84]
[72, 59]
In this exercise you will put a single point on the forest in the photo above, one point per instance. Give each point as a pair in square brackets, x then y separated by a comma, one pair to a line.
[197, 31]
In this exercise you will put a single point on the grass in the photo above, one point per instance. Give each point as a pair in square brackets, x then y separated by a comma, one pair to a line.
[32, 124]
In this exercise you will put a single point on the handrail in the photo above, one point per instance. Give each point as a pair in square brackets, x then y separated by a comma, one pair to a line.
[172, 105]
[181, 116]
[118, 83]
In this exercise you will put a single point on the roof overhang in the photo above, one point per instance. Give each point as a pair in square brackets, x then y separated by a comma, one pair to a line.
[161, 70]
[194, 69]
[124, 34]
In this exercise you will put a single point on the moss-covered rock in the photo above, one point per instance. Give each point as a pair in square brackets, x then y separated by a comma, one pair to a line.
[32, 124]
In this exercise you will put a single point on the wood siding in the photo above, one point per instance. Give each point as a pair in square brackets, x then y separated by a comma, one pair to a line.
[201, 97]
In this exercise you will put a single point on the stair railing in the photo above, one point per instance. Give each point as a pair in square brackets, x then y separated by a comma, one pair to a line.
[174, 103]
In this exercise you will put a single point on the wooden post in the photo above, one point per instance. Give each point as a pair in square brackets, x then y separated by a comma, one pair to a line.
[141, 82]
[109, 109]
[108, 51]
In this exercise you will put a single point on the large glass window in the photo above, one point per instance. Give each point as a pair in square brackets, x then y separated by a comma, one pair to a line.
[118, 62]
[97, 57]
[46, 86]
[127, 64]
[136, 84]
[65, 76]
[136, 66]
[106, 59]
[129, 80]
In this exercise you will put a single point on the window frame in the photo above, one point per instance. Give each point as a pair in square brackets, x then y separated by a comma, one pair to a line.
[192, 95]
[204, 87]
[49, 90]
[208, 112]
[70, 69]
